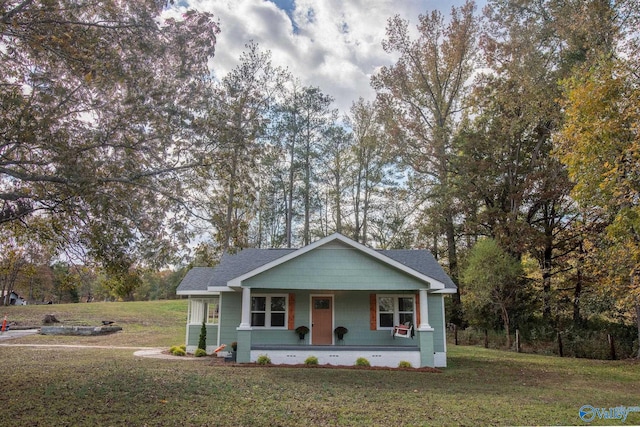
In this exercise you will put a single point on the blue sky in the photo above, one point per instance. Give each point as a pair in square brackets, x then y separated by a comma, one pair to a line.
[333, 44]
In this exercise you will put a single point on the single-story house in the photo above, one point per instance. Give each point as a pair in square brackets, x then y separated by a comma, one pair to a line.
[391, 302]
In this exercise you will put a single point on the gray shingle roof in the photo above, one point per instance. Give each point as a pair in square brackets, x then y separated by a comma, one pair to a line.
[196, 280]
[232, 266]
[421, 261]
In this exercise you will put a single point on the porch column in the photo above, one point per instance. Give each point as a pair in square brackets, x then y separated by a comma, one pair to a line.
[245, 322]
[424, 311]
[243, 334]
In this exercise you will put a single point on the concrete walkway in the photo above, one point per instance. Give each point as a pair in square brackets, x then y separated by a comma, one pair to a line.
[17, 333]
[150, 352]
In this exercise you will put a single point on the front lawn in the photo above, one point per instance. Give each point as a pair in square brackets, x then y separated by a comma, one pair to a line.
[44, 387]
[62, 386]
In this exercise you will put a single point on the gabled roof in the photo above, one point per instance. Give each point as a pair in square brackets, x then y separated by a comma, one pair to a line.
[199, 279]
[233, 269]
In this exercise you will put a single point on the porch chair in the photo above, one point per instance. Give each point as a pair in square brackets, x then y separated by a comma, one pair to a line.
[403, 331]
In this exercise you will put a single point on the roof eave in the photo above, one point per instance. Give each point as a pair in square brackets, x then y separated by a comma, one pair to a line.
[445, 291]
[219, 289]
[197, 293]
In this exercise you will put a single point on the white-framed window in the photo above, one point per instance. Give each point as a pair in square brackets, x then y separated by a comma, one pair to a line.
[269, 311]
[394, 310]
[207, 309]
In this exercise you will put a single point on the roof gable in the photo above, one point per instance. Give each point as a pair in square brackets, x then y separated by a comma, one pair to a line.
[435, 281]
[235, 268]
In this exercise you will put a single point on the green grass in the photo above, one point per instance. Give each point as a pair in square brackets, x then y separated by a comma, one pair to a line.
[44, 386]
[146, 324]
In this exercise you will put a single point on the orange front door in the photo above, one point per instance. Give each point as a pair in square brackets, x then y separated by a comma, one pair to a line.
[322, 320]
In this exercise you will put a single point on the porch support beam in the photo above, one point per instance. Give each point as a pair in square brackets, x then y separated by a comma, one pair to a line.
[424, 311]
[245, 319]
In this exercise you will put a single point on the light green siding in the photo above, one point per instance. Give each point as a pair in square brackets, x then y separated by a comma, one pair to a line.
[436, 321]
[426, 348]
[193, 334]
[334, 268]
[230, 316]
[351, 310]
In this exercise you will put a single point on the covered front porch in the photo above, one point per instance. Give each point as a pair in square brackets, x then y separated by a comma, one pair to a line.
[362, 312]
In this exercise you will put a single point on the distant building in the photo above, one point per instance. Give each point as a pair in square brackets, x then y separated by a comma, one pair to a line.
[14, 298]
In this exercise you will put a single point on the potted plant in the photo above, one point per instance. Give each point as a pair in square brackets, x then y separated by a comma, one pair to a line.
[302, 331]
[340, 331]
[233, 354]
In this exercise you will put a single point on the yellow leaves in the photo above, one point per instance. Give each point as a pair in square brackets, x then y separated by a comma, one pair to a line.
[601, 111]
[88, 77]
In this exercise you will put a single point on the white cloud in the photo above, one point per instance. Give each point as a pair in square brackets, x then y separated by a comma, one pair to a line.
[336, 44]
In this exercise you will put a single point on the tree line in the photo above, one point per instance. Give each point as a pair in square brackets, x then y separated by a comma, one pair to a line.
[503, 140]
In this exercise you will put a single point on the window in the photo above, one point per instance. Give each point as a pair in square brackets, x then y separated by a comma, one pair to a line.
[395, 310]
[269, 311]
[207, 309]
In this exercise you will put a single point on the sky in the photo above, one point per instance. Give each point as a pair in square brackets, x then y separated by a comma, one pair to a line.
[335, 45]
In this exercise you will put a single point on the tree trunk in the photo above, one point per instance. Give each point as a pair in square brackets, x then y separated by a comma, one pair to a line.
[365, 211]
[546, 281]
[5, 295]
[356, 208]
[506, 322]
[576, 298]
[338, 204]
[560, 349]
[289, 213]
[230, 201]
[456, 315]
[638, 323]
[307, 188]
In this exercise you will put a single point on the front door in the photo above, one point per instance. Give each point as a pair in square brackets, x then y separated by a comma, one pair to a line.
[322, 320]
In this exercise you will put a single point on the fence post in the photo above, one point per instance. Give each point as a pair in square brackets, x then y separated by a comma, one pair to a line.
[455, 334]
[517, 340]
[486, 338]
[612, 347]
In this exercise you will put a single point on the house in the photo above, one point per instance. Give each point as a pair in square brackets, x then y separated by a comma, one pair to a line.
[14, 298]
[258, 297]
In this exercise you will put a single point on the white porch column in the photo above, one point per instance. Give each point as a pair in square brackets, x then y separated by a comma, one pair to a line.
[424, 312]
[245, 322]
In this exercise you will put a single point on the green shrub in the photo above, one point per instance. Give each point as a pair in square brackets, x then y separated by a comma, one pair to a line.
[404, 364]
[200, 353]
[179, 352]
[263, 360]
[202, 340]
[311, 360]
[361, 361]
